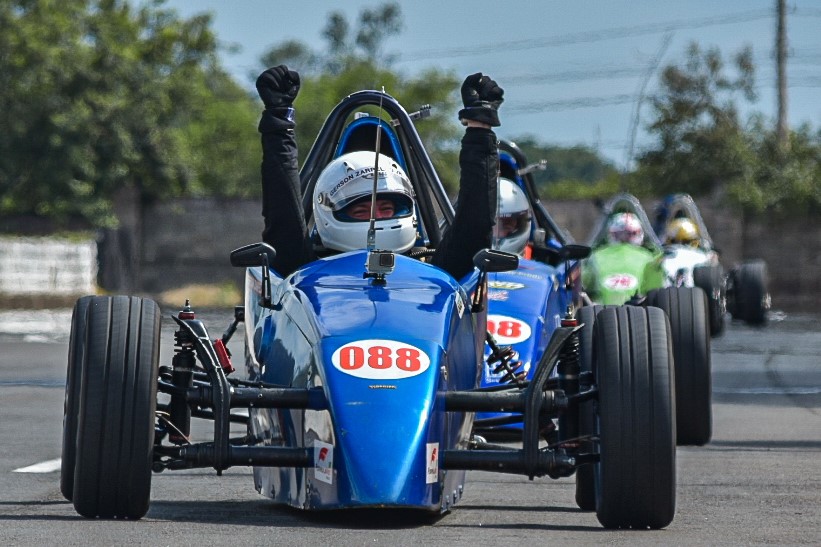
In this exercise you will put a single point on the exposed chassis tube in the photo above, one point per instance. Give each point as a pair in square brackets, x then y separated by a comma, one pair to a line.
[534, 403]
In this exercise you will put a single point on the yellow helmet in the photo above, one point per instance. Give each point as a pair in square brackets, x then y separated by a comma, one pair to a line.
[682, 231]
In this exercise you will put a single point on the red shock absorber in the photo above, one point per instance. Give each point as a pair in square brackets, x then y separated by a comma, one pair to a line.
[223, 356]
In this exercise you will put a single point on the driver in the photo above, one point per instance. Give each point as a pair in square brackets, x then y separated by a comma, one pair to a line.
[682, 231]
[512, 230]
[338, 206]
[625, 228]
[342, 204]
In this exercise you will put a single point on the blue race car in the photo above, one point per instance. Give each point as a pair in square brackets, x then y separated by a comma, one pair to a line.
[364, 376]
[526, 304]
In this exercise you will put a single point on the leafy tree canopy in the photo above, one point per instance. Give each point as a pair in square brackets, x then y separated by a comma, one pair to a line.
[574, 164]
[108, 98]
[354, 58]
[703, 147]
[695, 118]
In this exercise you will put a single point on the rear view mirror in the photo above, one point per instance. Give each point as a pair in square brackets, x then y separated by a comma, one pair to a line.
[490, 260]
[254, 254]
[571, 251]
[257, 254]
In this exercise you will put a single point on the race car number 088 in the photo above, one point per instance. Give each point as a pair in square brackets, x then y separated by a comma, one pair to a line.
[380, 359]
[507, 330]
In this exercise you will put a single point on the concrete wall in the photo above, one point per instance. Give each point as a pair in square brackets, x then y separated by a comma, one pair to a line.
[190, 240]
[791, 248]
[46, 269]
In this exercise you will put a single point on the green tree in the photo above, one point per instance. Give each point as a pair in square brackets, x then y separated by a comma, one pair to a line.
[697, 124]
[781, 183]
[100, 103]
[704, 147]
[578, 164]
[354, 59]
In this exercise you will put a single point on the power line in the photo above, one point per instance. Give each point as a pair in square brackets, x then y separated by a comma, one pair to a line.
[572, 76]
[568, 104]
[588, 36]
[562, 105]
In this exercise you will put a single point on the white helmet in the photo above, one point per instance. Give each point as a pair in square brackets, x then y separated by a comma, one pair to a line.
[626, 228]
[512, 229]
[349, 179]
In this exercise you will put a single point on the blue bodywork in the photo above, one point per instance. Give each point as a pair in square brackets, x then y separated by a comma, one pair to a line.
[525, 306]
[383, 425]
[382, 354]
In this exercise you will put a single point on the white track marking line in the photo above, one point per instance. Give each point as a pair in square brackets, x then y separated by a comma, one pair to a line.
[43, 467]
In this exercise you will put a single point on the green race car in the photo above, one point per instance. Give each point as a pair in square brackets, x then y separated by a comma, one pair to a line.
[626, 266]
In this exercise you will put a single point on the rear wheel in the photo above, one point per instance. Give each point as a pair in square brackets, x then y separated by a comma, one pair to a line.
[753, 298]
[636, 475]
[118, 397]
[686, 307]
[710, 279]
[74, 372]
[585, 483]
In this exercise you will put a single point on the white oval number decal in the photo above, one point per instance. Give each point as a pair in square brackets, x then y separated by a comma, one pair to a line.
[621, 282]
[380, 360]
[507, 330]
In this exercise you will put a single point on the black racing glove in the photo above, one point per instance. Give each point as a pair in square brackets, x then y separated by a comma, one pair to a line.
[481, 97]
[278, 87]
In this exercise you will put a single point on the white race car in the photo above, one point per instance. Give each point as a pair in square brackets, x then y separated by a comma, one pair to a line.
[690, 259]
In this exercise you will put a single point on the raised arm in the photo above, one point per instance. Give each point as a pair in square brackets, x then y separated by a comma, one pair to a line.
[479, 173]
[285, 228]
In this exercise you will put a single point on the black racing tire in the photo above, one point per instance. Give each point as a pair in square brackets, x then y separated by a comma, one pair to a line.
[118, 398]
[710, 279]
[752, 295]
[636, 474]
[585, 482]
[76, 346]
[686, 308]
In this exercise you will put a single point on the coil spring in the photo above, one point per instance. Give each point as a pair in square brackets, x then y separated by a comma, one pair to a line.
[506, 357]
[569, 355]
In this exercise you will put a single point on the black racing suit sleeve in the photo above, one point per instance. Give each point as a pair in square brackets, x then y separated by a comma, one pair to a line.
[476, 205]
[285, 228]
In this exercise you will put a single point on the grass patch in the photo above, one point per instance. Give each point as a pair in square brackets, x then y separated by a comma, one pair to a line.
[223, 295]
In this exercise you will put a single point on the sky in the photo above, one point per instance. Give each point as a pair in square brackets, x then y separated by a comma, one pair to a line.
[573, 71]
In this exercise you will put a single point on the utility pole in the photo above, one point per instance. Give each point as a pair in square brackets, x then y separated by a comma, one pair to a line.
[782, 130]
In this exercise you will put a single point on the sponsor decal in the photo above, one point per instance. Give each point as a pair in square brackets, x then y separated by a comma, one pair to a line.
[621, 282]
[507, 330]
[520, 273]
[380, 360]
[505, 285]
[367, 173]
[324, 462]
[499, 296]
[431, 463]
[460, 304]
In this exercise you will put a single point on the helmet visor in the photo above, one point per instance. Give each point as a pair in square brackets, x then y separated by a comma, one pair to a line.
[388, 205]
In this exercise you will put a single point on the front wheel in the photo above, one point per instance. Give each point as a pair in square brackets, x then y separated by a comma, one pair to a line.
[585, 482]
[686, 307]
[710, 279]
[117, 402]
[636, 474]
[751, 293]
[71, 405]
